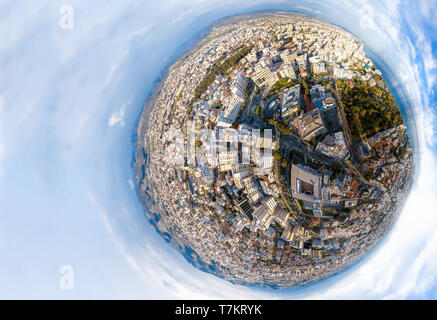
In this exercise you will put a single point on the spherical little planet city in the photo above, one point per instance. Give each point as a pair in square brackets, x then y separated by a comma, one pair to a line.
[273, 153]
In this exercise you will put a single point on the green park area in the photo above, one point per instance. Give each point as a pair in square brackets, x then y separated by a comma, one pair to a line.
[368, 109]
[221, 67]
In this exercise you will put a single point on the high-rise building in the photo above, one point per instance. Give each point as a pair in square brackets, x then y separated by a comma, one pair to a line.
[245, 207]
[291, 101]
[305, 183]
[261, 76]
[309, 125]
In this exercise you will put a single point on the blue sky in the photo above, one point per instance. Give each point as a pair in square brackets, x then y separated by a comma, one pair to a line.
[69, 99]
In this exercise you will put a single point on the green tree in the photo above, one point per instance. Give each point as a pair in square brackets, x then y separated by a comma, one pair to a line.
[277, 154]
[307, 89]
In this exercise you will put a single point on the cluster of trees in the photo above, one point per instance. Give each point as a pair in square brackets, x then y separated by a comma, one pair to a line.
[281, 126]
[306, 87]
[220, 68]
[326, 83]
[340, 218]
[258, 111]
[369, 109]
[400, 153]
[277, 154]
[190, 108]
[284, 83]
[369, 175]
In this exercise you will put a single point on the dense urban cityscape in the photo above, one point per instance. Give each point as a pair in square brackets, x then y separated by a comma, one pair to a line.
[273, 153]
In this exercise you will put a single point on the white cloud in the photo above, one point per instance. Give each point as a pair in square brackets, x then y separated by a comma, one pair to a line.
[131, 184]
[2, 106]
[118, 117]
[308, 9]
[2, 245]
[2, 114]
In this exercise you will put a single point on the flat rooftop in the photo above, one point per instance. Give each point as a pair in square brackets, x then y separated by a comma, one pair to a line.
[305, 183]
